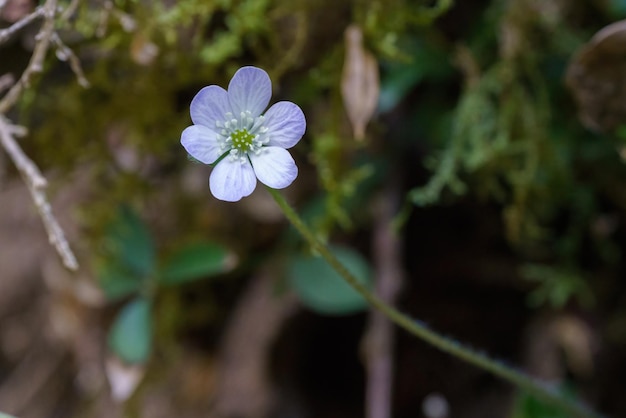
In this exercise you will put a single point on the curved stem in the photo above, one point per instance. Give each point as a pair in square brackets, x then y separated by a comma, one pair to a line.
[539, 389]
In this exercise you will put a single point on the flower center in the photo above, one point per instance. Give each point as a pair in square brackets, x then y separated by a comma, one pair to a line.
[240, 136]
[242, 140]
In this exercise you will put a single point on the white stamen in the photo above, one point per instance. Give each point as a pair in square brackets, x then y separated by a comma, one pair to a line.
[238, 146]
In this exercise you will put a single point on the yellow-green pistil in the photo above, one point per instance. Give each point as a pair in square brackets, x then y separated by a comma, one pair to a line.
[242, 136]
[242, 140]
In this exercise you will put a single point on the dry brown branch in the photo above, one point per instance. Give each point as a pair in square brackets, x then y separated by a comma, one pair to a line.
[379, 338]
[30, 173]
[36, 185]
[70, 10]
[35, 65]
[64, 53]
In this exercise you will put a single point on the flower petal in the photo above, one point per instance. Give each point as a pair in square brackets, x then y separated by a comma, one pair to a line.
[274, 167]
[285, 123]
[250, 89]
[209, 107]
[231, 180]
[201, 143]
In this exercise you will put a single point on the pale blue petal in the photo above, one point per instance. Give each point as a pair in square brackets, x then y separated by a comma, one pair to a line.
[232, 180]
[201, 143]
[249, 90]
[285, 123]
[274, 167]
[209, 106]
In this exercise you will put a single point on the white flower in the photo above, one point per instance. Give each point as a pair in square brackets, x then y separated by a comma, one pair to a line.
[230, 131]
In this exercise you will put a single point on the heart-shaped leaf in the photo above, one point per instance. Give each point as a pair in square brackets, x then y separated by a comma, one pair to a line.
[130, 337]
[322, 289]
[195, 262]
[129, 242]
[116, 280]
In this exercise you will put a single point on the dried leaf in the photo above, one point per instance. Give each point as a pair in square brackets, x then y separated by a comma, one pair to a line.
[123, 378]
[597, 78]
[360, 82]
[142, 50]
[576, 340]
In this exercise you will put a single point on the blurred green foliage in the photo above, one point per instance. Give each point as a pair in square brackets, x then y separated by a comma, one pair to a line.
[481, 96]
[130, 336]
[557, 286]
[129, 266]
[322, 289]
[472, 92]
[511, 140]
[527, 406]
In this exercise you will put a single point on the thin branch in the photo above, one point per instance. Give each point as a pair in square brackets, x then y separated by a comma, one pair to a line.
[36, 186]
[70, 10]
[64, 53]
[378, 342]
[30, 173]
[5, 34]
[35, 64]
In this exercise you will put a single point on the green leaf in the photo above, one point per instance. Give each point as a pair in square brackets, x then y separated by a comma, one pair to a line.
[322, 289]
[195, 262]
[130, 337]
[427, 61]
[617, 8]
[556, 285]
[129, 242]
[117, 281]
[527, 406]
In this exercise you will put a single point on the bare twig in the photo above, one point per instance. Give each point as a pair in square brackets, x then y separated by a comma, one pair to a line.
[379, 338]
[103, 21]
[35, 64]
[30, 173]
[69, 10]
[5, 34]
[64, 53]
[36, 185]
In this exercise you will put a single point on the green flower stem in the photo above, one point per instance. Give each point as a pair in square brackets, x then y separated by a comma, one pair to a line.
[533, 386]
